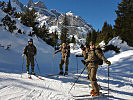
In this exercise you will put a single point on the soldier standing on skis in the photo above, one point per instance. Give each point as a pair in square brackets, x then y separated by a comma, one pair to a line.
[84, 54]
[65, 52]
[30, 52]
[92, 61]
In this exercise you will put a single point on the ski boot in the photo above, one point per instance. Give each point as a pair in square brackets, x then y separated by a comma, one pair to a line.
[61, 73]
[92, 92]
[95, 94]
[33, 73]
[66, 73]
[28, 70]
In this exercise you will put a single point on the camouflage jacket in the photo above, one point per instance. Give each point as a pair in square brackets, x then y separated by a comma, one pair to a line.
[63, 52]
[30, 50]
[93, 56]
[85, 54]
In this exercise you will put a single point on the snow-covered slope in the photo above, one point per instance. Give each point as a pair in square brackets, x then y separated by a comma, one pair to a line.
[2, 15]
[13, 87]
[119, 43]
[18, 42]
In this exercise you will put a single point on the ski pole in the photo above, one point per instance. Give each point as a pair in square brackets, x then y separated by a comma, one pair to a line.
[108, 81]
[38, 67]
[22, 66]
[65, 58]
[77, 64]
[76, 80]
[53, 63]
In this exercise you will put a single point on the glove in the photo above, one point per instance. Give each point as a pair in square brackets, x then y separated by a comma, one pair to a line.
[23, 55]
[83, 62]
[108, 62]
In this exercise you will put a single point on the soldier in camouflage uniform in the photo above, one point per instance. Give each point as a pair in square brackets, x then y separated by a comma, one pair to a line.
[84, 54]
[65, 52]
[30, 52]
[92, 67]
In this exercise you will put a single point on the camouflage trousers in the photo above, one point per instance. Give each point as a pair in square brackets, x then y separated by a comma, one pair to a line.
[66, 64]
[92, 70]
[28, 61]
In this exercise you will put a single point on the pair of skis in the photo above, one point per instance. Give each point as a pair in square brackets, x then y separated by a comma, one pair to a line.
[90, 97]
[55, 75]
[29, 77]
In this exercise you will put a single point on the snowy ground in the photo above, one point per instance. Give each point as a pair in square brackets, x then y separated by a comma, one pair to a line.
[15, 87]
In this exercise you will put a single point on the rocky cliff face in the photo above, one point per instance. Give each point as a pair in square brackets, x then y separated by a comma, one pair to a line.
[38, 4]
[55, 12]
[19, 4]
[30, 3]
[76, 24]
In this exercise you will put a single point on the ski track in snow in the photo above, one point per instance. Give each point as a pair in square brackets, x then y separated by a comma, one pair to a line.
[33, 89]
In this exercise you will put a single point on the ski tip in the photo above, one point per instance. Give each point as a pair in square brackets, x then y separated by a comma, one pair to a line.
[40, 78]
[29, 77]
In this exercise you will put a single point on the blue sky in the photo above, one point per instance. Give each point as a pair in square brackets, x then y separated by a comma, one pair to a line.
[94, 12]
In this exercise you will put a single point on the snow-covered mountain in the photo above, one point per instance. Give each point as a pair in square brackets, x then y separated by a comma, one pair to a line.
[76, 26]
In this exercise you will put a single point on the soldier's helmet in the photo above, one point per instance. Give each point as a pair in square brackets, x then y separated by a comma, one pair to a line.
[82, 46]
[30, 40]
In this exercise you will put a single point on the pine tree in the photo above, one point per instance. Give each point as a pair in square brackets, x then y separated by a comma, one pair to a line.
[9, 8]
[99, 37]
[88, 39]
[73, 40]
[106, 33]
[9, 24]
[28, 18]
[124, 21]
[105, 27]
[94, 36]
[55, 39]
[64, 32]
[41, 32]
[2, 4]
[109, 34]
[44, 30]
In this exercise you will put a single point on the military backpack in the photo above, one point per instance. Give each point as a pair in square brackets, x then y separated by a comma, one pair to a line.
[100, 61]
